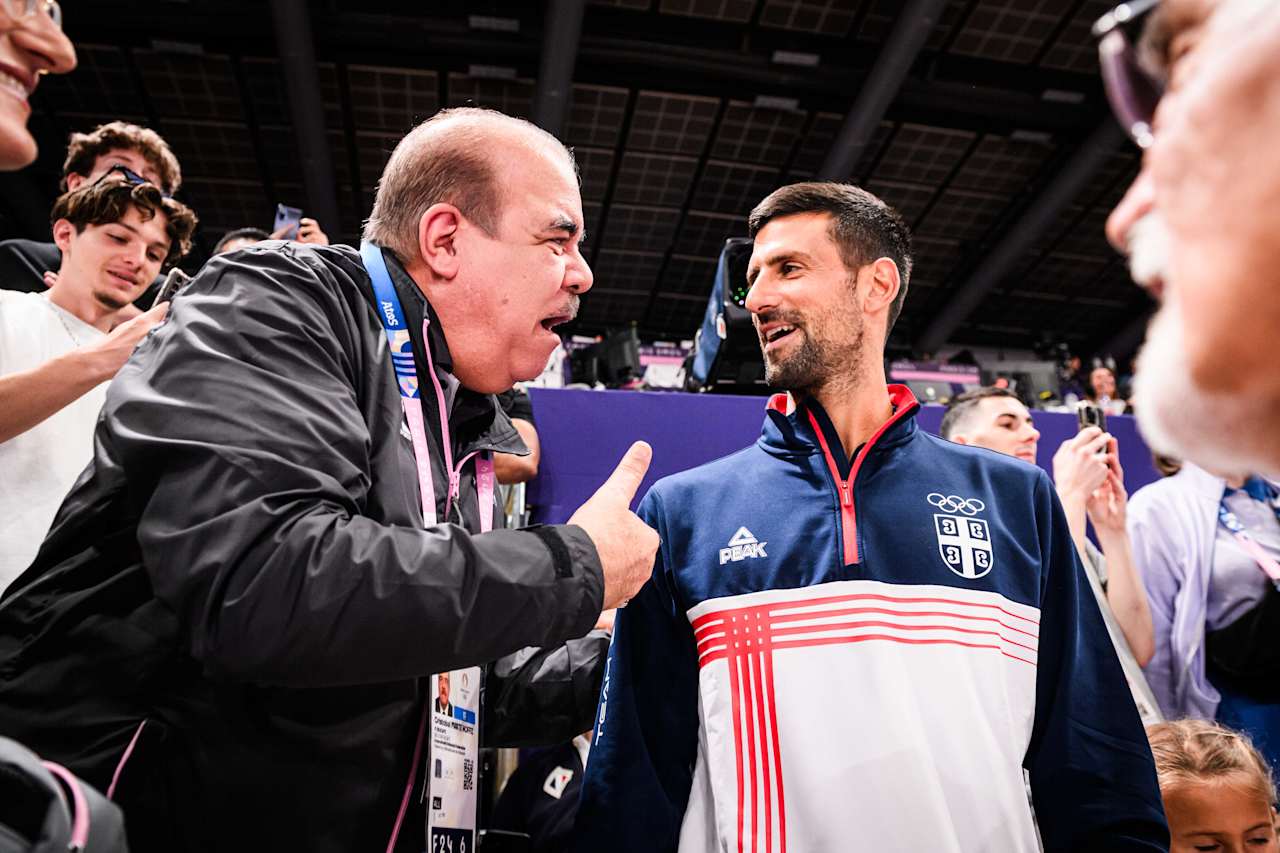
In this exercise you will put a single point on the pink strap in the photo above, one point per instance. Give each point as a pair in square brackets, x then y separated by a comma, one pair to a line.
[422, 456]
[79, 805]
[484, 488]
[1260, 556]
[124, 759]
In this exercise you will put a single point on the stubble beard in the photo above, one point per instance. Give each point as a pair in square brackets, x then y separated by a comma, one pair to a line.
[817, 362]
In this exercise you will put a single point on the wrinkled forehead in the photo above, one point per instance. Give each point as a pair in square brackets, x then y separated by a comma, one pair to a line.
[539, 185]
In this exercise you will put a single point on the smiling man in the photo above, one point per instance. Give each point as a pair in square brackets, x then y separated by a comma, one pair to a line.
[285, 531]
[59, 349]
[1197, 84]
[909, 632]
[131, 150]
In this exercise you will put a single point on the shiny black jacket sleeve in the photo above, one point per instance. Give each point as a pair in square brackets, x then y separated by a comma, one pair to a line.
[537, 697]
[274, 526]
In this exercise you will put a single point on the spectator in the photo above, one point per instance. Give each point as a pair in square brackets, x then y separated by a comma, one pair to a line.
[509, 467]
[1215, 610]
[1201, 222]
[137, 152]
[1217, 789]
[309, 231]
[1103, 391]
[1089, 484]
[58, 349]
[280, 539]
[31, 44]
[239, 238]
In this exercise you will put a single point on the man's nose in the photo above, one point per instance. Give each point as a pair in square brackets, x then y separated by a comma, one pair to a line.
[1137, 202]
[578, 277]
[47, 48]
[760, 296]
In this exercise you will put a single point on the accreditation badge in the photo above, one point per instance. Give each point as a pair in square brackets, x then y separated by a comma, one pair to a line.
[453, 761]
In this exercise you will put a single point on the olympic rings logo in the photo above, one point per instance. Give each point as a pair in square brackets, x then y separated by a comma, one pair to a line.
[955, 503]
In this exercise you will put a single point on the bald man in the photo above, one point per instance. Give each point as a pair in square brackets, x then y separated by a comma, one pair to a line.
[286, 528]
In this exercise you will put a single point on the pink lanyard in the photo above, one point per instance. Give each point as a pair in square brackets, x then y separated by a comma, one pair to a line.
[421, 451]
[1265, 561]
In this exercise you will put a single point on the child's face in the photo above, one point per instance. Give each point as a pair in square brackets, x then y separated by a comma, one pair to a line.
[1219, 816]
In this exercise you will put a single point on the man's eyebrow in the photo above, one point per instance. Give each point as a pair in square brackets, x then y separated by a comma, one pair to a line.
[774, 260]
[565, 224]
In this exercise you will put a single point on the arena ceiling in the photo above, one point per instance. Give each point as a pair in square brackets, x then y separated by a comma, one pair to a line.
[991, 136]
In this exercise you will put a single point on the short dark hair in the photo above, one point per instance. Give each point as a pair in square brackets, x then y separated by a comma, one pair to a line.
[108, 200]
[862, 226]
[250, 233]
[83, 149]
[963, 404]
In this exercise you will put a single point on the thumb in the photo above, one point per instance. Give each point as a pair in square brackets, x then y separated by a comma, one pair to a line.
[625, 479]
[157, 312]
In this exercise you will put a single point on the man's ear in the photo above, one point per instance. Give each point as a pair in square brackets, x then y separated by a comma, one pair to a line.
[437, 245]
[882, 284]
[63, 231]
[75, 180]
[958, 438]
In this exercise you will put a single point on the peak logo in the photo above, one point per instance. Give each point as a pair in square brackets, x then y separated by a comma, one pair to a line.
[742, 546]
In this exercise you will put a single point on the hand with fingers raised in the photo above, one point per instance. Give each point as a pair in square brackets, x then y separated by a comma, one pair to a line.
[625, 543]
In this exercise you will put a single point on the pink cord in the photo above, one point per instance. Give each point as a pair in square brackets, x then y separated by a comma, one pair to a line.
[79, 806]
[128, 751]
[413, 773]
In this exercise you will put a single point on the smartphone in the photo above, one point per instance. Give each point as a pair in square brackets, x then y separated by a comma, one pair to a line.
[289, 218]
[1090, 415]
[173, 282]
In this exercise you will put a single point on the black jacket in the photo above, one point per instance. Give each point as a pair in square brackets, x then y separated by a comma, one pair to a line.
[244, 566]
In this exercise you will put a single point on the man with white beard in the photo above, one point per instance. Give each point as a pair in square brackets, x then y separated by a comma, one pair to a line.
[1197, 85]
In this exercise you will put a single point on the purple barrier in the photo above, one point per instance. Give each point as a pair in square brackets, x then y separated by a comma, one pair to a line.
[585, 433]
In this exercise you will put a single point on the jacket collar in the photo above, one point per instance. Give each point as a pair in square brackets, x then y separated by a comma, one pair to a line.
[789, 430]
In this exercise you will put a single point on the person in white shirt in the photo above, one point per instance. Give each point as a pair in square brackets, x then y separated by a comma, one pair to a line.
[59, 349]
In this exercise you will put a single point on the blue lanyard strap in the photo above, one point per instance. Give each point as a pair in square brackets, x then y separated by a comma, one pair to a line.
[393, 320]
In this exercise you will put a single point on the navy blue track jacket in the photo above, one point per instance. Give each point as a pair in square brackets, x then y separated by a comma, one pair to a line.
[865, 654]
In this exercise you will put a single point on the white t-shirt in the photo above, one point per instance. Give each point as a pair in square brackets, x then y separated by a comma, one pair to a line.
[38, 467]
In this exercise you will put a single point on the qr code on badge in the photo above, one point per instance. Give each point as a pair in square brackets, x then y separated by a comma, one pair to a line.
[468, 774]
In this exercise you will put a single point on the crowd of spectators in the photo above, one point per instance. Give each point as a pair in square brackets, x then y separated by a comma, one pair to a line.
[96, 476]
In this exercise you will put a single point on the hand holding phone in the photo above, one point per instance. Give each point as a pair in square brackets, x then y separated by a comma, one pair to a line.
[287, 221]
[173, 282]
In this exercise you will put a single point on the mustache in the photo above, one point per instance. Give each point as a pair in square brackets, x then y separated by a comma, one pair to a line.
[571, 307]
[1149, 244]
[786, 317]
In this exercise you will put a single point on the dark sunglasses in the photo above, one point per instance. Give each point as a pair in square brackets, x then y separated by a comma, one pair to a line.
[130, 177]
[1132, 89]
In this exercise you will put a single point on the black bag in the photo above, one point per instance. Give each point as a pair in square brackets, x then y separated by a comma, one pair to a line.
[44, 808]
[1245, 655]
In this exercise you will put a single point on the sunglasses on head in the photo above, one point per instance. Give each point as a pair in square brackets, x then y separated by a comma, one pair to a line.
[1132, 89]
[130, 177]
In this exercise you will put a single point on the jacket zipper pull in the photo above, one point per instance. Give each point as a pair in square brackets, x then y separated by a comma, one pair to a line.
[846, 493]
[455, 480]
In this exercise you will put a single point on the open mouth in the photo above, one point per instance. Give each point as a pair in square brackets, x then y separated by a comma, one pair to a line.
[122, 279]
[550, 323]
[772, 335]
[12, 82]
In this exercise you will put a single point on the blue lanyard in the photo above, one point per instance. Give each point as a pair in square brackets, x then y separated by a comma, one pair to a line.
[396, 327]
[1228, 519]
[393, 320]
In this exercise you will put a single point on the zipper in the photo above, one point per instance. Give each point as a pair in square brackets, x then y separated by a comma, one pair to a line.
[844, 494]
[904, 404]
